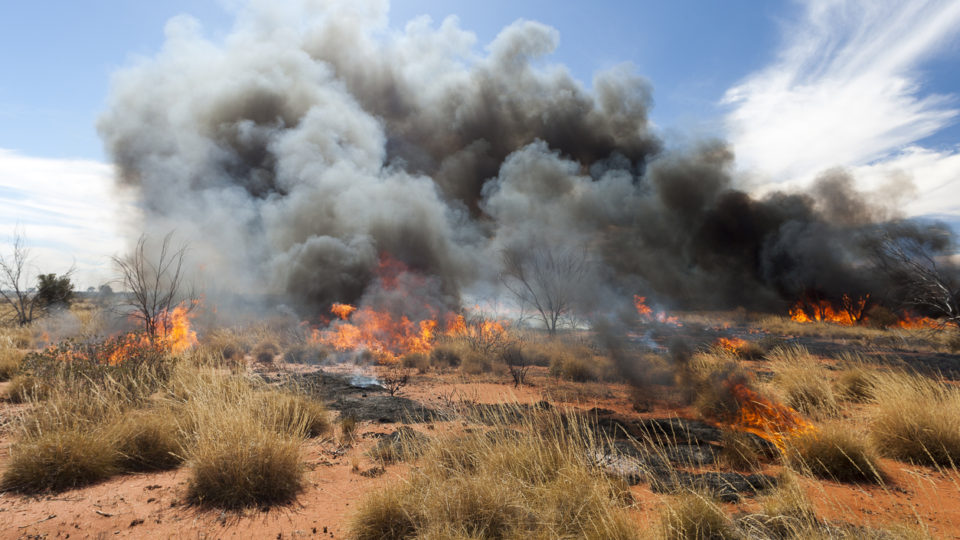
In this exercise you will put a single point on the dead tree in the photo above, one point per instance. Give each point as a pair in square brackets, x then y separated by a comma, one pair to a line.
[547, 278]
[154, 283]
[14, 283]
[26, 302]
[927, 285]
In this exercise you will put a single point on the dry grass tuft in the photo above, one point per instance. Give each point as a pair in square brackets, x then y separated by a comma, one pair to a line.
[147, 440]
[917, 419]
[243, 447]
[803, 381]
[533, 482]
[743, 451]
[60, 459]
[9, 362]
[856, 382]
[24, 388]
[293, 414]
[237, 462]
[265, 352]
[835, 453]
[693, 516]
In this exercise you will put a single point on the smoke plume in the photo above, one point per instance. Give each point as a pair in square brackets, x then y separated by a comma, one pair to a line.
[306, 145]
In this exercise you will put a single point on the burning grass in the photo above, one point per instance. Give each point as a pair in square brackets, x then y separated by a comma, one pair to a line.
[532, 481]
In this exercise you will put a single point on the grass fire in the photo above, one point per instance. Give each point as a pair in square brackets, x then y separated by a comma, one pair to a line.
[392, 281]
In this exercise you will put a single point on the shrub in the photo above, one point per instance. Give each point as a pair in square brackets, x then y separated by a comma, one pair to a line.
[60, 459]
[573, 367]
[147, 440]
[834, 453]
[9, 363]
[418, 361]
[475, 363]
[225, 345]
[803, 381]
[448, 354]
[304, 353]
[265, 352]
[693, 516]
[917, 420]
[236, 463]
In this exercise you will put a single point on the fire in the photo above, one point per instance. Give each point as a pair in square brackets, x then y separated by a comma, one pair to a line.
[915, 322]
[772, 421]
[849, 313]
[392, 322]
[732, 345]
[647, 313]
[342, 311]
[171, 331]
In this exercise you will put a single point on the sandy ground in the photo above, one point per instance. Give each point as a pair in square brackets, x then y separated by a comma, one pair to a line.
[151, 505]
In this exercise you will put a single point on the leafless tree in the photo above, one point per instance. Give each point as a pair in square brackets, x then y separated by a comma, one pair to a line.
[518, 363]
[155, 282]
[15, 289]
[547, 278]
[927, 284]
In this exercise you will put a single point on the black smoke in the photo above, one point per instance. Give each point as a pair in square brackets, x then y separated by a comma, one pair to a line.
[309, 143]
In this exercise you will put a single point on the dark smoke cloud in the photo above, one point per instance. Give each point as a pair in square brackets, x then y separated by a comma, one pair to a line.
[313, 140]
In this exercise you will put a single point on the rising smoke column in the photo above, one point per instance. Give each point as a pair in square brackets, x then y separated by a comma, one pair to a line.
[313, 140]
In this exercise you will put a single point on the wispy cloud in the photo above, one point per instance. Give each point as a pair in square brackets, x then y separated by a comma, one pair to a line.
[846, 90]
[68, 211]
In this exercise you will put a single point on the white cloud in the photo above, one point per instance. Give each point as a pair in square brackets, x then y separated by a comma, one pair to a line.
[846, 90]
[68, 210]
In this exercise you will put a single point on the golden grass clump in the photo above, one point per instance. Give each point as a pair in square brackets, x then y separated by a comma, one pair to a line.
[803, 382]
[694, 516]
[855, 382]
[9, 362]
[917, 419]
[293, 414]
[147, 440]
[834, 452]
[237, 462]
[536, 482]
[60, 459]
[243, 444]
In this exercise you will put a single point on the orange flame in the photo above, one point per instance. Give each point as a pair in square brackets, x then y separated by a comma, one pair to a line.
[172, 333]
[342, 311]
[772, 421]
[732, 345]
[910, 321]
[647, 314]
[849, 313]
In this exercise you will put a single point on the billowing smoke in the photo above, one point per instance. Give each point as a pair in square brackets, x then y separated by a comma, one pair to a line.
[310, 142]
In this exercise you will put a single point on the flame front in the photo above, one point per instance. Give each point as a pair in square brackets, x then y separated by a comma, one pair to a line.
[772, 421]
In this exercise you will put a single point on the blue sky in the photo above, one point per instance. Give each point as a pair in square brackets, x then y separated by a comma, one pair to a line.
[795, 87]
